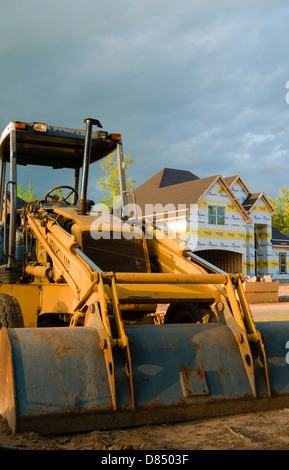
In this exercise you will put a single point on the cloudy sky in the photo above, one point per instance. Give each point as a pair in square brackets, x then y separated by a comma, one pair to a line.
[194, 85]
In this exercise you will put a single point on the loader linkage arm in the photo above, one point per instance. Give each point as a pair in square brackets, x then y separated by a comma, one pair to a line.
[253, 334]
[238, 318]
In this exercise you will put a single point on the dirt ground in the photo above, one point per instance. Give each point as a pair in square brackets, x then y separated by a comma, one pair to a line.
[283, 294]
[267, 430]
[255, 431]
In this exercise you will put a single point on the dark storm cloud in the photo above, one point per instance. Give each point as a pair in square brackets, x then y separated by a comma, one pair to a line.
[194, 85]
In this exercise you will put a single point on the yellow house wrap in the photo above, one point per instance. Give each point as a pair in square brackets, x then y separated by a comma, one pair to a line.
[220, 220]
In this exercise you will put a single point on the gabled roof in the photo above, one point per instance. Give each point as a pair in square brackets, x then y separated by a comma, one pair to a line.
[186, 193]
[230, 180]
[152, 193]
[252, 199]
[168, 177]
[279, 239]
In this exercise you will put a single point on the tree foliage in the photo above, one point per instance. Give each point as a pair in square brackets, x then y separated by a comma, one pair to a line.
[110, 182]
[280, 203]
[28, 195]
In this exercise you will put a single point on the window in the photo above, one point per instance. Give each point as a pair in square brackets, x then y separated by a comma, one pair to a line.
[282, 263]
[216, 215]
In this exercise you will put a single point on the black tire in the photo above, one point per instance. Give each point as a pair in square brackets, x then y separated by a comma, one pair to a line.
[188, 313]
[10, 312]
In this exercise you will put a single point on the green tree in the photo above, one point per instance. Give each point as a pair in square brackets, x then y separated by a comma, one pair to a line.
[280, 203]
[21, 191]
[110, 182]
[28, 195]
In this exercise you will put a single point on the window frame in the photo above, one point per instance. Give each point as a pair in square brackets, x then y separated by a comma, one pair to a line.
[216, 216]
[281, 271]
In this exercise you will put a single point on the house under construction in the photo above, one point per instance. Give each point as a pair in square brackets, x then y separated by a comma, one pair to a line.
[220, 219]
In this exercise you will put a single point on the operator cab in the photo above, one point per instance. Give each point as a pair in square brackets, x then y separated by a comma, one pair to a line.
[58, 148]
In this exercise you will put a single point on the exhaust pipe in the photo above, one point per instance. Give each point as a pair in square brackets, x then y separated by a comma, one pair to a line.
[86, 161]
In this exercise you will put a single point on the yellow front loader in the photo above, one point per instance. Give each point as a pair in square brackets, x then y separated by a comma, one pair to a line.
[108, 323]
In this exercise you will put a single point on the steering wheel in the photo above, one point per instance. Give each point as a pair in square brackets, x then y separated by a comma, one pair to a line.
[62, 199]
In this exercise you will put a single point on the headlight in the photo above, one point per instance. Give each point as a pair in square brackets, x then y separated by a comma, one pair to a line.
[101, 135]
[39, 126]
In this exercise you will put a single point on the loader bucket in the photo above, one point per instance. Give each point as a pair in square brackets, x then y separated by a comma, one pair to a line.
[54, 380]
